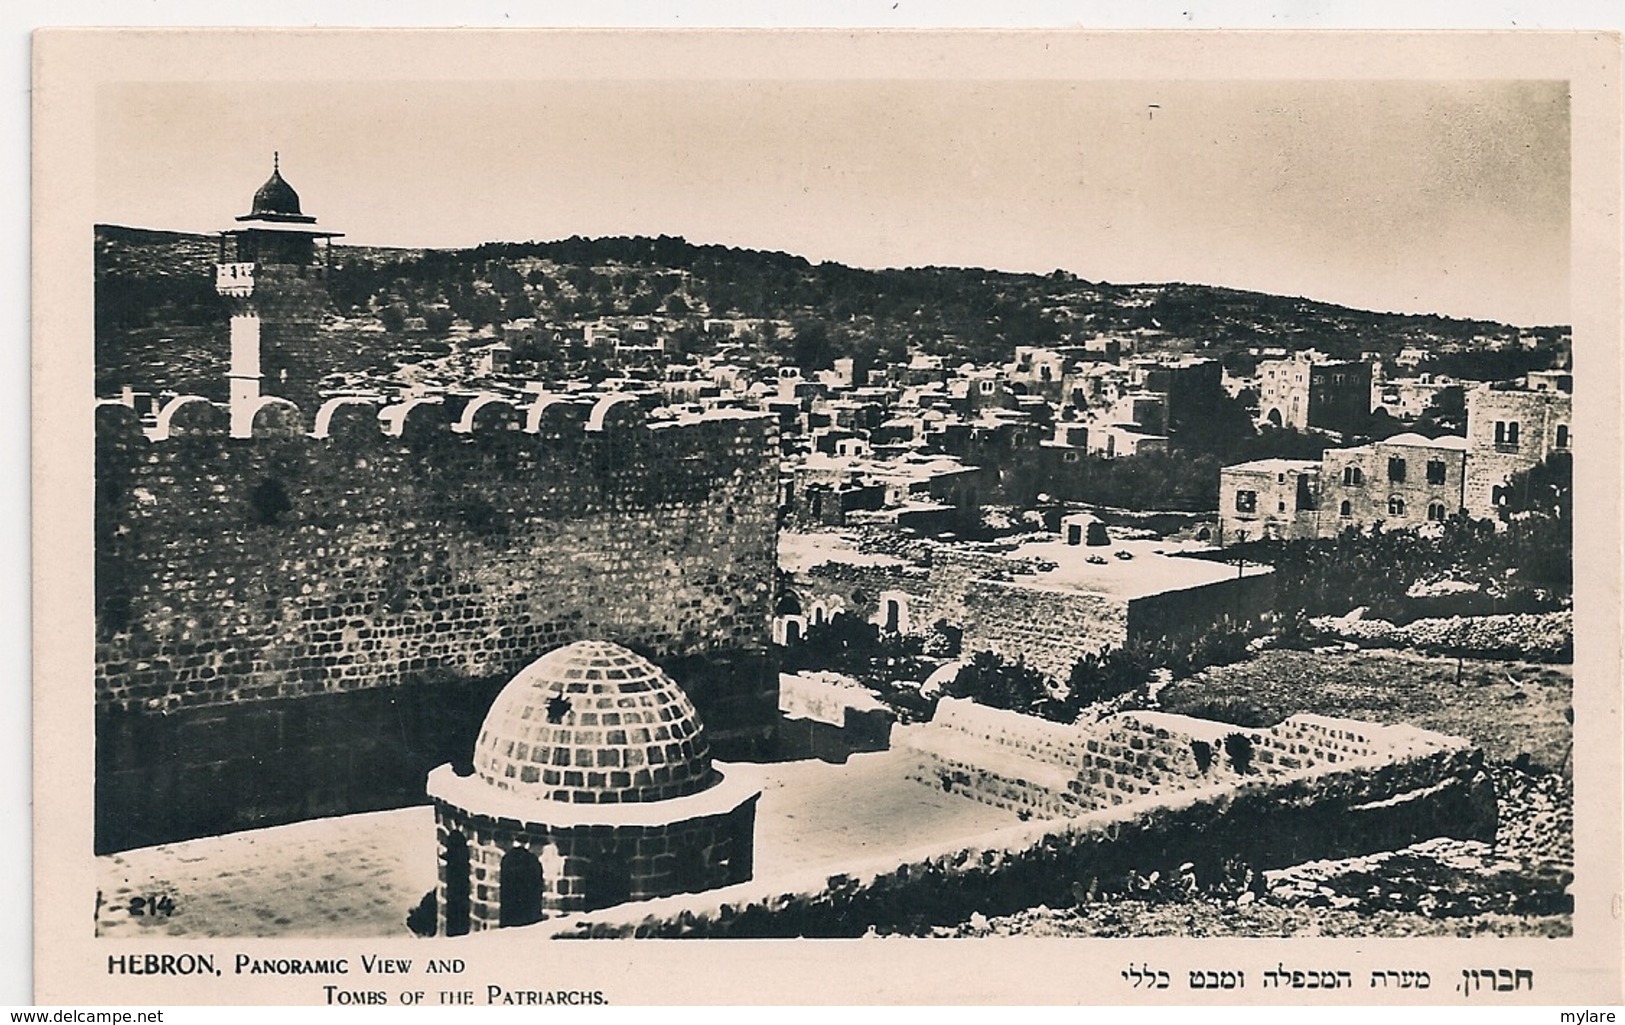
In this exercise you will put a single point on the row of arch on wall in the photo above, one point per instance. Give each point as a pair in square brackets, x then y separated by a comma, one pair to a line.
[273, 416]
[793, 618]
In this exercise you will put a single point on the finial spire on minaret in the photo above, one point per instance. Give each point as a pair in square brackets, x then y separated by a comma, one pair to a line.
[276, 162]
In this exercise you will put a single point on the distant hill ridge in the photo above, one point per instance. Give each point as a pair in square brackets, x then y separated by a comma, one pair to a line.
[155, 284]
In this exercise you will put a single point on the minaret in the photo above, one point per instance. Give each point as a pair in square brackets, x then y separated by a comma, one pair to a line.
[278, 293]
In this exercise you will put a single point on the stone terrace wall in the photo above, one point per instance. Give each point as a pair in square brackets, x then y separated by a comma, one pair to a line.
[1435, 787]
[1024, 763]
[337, 611]
[1048, 628]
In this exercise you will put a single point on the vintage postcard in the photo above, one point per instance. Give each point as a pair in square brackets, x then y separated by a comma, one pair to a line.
[862, 517]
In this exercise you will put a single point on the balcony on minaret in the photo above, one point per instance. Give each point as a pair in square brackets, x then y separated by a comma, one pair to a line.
[235, 279]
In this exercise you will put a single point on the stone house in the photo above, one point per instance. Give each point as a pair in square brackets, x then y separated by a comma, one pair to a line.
[1269, 498]
[1403, 481]
[1511, 428]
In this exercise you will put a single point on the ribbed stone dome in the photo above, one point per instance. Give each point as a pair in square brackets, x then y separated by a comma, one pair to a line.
[593, 723]
[276, 196]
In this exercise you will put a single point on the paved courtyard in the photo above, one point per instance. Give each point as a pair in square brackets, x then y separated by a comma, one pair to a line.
[359, 875]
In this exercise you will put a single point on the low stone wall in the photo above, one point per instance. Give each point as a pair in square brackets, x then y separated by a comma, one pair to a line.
[1364, 788]
[828, 720]
[1541, 637]
[1029, 765]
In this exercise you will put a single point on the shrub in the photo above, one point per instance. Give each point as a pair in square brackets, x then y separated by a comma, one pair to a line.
[1110, 673]
[1203, 752]
[421, 919]
[1239, 748]
[989, 680]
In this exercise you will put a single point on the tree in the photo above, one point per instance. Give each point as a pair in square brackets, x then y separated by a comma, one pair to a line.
[989, 680]
[1544, 488]
[810, 347]
[437, 319]
[1239, 747]
[393, 318]
[517, 306]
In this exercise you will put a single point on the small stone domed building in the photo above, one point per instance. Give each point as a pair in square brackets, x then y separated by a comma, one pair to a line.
[592, 785]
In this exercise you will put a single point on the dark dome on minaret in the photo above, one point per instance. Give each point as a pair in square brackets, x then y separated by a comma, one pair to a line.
[276, 200]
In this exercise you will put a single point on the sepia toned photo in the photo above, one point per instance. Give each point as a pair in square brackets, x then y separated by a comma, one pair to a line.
[711, 488]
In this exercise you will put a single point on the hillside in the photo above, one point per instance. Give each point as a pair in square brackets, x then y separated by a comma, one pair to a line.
[158, 321]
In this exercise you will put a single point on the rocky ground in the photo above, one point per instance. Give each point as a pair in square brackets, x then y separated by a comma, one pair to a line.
[1518, 886]
[1441, 887]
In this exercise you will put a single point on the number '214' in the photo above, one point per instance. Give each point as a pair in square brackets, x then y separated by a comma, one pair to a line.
[160, 905]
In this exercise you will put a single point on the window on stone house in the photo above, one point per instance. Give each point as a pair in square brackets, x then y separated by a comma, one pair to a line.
[1435, 471]
[1562, 435]
[1396, 506]
[1353, 476]
[1246, 501]
[1346, 509]
[1436, 512]
[1500, 432]
[1512, 433]
[1280, 507]
[1396, 469]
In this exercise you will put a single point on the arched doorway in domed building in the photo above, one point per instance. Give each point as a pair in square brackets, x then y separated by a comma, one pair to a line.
[521, 884]
[457, 894]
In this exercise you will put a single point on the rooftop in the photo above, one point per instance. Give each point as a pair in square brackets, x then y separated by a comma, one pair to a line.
[1153, 567]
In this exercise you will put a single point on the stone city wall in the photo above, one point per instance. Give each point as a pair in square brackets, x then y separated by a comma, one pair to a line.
[397, 580]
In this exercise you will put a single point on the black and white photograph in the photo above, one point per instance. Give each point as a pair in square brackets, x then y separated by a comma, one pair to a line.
[910, 502]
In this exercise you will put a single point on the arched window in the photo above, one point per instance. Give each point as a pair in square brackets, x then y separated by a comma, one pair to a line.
[1353, 476]
[1346, 509]
[1436, 512]
[1396, 506]
[1562, 435]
